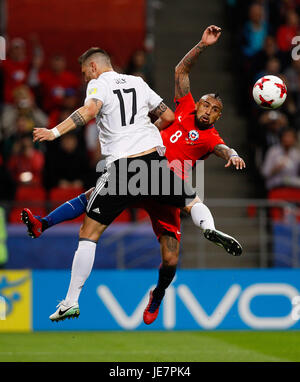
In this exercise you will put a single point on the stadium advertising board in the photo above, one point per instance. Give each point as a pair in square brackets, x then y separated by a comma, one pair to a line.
[15, 301]
[197, 299]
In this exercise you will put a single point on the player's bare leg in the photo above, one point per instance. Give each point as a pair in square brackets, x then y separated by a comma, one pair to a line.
[82, 265]
[89, 192]
[170, 252]
[203, 219]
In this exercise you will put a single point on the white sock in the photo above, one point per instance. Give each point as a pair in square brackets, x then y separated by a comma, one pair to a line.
[81, 268]
[202, 216]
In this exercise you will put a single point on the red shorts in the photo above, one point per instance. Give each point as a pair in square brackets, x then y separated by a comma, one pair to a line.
[164, 218]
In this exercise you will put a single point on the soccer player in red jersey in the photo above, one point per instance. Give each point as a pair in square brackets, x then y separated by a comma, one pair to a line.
[190, 137]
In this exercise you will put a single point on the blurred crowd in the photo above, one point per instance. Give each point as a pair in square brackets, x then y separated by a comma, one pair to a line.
[40, 92]
[263, 33]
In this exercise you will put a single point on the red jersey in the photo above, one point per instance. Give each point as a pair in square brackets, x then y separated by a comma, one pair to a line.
[15, 74]
[185, 142]
[56, 86]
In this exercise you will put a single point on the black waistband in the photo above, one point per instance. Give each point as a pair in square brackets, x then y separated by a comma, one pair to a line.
[146, 157]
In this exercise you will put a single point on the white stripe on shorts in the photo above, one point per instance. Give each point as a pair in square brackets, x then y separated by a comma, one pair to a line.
[98, 188]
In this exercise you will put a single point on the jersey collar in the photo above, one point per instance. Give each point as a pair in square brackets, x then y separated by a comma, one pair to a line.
[106, 73]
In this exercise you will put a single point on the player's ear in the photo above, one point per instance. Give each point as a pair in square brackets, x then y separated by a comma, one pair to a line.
[218, 117]
[93, 66]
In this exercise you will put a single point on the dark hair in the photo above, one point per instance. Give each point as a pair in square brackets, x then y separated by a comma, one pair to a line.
[217, 97]
[90, 52]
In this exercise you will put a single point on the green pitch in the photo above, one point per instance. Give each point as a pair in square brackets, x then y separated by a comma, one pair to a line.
[151, 346]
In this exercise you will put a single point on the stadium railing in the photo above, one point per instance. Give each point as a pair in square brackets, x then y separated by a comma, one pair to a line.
[267, 242]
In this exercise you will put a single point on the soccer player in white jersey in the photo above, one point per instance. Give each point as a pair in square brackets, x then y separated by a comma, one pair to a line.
[121, 105]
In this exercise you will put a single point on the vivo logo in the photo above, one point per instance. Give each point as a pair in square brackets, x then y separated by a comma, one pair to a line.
[296, 308]
[204, 320]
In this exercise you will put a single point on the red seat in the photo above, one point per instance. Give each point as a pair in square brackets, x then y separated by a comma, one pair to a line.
[287, 194]
[60, 195]
[33, 197]
[124, 217]
[30, 193]
[63, 194]
[142, 215]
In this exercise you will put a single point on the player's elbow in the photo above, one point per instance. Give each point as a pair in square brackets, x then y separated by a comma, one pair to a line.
[90, 110]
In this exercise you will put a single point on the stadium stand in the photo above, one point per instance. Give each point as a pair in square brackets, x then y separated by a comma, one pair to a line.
[24, 195]
[258, 32]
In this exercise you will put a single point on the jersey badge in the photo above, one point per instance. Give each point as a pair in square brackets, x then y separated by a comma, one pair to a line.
[92, 91]
[193, 135]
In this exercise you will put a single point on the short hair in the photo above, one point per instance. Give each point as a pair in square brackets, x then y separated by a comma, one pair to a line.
[90, 52]
[215, 96]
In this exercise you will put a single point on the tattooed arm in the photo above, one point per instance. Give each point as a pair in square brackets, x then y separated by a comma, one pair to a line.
[230, 155]
[182, 70]
[165, 116]
[79, 118]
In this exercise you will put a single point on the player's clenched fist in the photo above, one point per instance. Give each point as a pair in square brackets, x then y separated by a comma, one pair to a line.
[211, 35]
[41, 134]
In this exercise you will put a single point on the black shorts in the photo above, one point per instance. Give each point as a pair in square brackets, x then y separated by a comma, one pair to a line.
[131, 180]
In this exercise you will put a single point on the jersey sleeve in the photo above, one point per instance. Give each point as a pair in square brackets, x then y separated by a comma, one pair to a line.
[96, 89]
[184, 105]
[215, 140]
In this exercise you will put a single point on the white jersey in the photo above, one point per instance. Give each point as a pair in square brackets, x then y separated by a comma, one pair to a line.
[123, 123]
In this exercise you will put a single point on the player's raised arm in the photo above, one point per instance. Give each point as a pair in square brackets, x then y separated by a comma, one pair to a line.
[183, 68]
[79, 118]
[165, 116]
[230, 155]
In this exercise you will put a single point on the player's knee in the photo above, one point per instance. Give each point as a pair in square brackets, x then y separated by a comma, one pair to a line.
[91, 230]
[170, 261]
[81, 231]
[189, 206]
